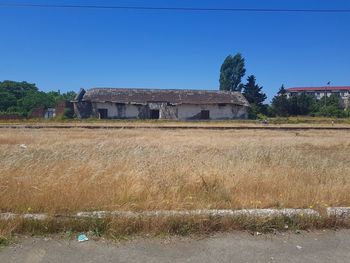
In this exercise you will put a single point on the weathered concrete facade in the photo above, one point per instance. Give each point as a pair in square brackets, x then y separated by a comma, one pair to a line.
[160, 104]
[216, 112]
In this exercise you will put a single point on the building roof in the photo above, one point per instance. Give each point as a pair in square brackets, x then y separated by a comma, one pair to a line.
[328, 88]
[173, 96]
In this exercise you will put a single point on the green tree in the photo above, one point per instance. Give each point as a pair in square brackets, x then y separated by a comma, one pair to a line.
[331, 111]
[56, 96]
[11, 92]
[280, 103]
[23, 97]
[70, 95]
[330, 107]
[305, 104]
[7, 100]
[17, 89]
[302, 104]
[35, 99]
[332, 100]
[253, 93]
[293, 105]
[232, 72]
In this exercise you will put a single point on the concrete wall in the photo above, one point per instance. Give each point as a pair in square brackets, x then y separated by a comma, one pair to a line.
[189, 111]
[117, 110]
[129, 111]
[166, 111]
[83, 109]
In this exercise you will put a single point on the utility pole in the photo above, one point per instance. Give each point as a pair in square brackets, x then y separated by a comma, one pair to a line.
[325, 98]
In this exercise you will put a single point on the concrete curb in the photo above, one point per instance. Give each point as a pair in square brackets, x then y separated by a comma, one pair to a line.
[214, 212]
[337, 212]
[9, 216]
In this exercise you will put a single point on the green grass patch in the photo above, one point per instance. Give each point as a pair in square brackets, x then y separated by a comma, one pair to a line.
[124, 228]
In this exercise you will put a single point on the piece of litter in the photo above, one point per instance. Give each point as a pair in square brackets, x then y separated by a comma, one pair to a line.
[299, 247]
[286, 227]
[82, 238]
[258, 233]
[23, 146]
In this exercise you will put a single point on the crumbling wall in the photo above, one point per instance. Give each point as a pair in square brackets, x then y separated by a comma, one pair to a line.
[121, 110]
[131, 111]
[168, 112]
[117, 110]
[11, 116]
[239, 112]
[37, 112]
[143, 112]
[83, 109]
[62, 106]
[217, 112]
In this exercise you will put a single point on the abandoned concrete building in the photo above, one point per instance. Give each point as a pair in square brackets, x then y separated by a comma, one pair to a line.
[118, 103]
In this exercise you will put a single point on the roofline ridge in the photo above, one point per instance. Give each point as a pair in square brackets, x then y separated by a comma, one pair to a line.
[320, 87]
[122, 95]
[160, 89]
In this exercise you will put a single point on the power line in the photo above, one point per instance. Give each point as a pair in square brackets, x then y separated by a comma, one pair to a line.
[188, 9]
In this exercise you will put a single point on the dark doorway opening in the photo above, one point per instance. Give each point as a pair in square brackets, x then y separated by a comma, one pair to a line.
[154, 114]
[103, 113]
[205, 115]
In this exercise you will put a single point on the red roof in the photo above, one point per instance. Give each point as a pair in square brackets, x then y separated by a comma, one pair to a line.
[329, 88]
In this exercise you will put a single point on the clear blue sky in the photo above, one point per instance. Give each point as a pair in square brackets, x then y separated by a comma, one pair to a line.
[70, 48]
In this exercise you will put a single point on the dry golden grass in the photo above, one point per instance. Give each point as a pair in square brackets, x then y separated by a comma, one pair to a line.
[301, 121]
[65, 171]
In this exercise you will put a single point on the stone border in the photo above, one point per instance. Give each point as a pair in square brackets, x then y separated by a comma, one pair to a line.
[9, 216]
[214, 212]
[337, 212]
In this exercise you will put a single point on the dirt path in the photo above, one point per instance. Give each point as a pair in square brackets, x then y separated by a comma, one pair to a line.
[320, 246]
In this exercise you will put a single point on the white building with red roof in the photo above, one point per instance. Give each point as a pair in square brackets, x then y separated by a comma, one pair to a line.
[320, 92]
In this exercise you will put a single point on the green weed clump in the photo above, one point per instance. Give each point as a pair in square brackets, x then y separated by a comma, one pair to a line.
[123, 228]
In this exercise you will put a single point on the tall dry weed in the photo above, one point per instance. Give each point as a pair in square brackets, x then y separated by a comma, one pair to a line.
[64, 171]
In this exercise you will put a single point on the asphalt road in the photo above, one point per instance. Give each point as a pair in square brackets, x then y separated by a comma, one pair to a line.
[320, 246]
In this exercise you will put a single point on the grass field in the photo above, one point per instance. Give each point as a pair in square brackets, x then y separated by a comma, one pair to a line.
[64, 171]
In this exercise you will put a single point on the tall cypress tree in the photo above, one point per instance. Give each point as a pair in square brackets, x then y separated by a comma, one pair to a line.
[253, 92]
[255, 96]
